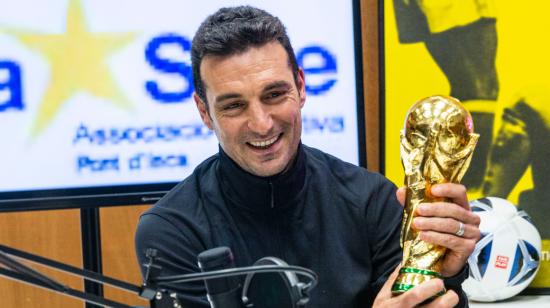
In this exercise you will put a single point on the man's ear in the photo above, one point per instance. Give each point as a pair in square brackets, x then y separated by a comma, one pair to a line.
[301, 86]
[203, 111]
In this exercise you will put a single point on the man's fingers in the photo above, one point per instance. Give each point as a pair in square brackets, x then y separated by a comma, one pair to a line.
[415, 296]
[463, 246]
[420, 293]
[400, 193]
[445, 225]
[449, 299]
[455, 192]
[448, 210]
[385, 292]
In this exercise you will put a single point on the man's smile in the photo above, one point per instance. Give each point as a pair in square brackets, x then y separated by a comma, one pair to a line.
[264, 144]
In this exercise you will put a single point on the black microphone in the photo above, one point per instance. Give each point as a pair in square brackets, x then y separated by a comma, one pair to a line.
[221, 292]
[276, 289]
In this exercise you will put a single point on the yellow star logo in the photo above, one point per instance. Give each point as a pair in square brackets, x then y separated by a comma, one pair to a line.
[78, 63]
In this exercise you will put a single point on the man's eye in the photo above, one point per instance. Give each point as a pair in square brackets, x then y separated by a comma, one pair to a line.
[276, 94]
[232, 106]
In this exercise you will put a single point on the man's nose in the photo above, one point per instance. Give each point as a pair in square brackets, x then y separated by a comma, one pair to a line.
[260, 120]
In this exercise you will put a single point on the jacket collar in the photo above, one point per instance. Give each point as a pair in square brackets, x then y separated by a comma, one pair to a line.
[244, 189]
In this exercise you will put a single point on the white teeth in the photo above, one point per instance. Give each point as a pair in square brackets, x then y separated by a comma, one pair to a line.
[263, 144]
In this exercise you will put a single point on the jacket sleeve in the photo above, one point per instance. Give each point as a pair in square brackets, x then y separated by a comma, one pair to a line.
[177, 252]
[455, 283]
[383, 218]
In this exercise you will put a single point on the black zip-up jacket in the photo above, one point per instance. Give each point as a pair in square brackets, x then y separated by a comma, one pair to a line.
[324, 214]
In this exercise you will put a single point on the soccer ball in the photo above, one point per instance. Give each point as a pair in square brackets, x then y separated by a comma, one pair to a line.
[506, 258]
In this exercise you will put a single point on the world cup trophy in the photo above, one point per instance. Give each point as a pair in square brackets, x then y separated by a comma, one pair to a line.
[437, 144]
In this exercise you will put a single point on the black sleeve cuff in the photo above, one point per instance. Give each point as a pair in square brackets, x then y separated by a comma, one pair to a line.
[455, 283]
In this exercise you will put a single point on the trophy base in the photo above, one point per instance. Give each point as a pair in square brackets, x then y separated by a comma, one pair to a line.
[409, 278]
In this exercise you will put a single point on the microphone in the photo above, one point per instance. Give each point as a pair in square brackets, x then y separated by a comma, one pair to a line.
[221, 292]
[270, 282]
[274, 289]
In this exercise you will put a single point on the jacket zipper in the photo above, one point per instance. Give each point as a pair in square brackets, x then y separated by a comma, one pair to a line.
[275, 222]
[272, 194]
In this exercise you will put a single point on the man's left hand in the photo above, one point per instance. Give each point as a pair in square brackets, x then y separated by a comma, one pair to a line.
[440, 223]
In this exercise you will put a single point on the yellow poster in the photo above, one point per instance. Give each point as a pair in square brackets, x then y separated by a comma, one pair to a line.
[495, 57]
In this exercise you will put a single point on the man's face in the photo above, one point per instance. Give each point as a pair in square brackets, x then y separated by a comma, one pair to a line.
[254, 107]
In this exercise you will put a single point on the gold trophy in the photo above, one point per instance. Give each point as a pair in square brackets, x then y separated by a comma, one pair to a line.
[437, 143]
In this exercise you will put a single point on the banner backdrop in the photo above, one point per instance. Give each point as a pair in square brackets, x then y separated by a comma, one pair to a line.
[99, 93]
[494, 57]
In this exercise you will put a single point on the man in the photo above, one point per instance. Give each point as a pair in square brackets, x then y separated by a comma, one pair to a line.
[266, 194]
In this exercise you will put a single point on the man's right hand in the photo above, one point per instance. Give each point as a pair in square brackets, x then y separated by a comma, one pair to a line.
[415, 296]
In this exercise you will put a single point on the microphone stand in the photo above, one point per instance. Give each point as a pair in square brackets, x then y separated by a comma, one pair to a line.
[16, 270]
[154, 288]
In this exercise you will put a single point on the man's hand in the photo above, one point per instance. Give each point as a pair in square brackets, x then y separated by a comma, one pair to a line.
[439, 223]
[415, 296]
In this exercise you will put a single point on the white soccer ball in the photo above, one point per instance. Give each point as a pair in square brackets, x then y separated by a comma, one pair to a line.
[506, 258]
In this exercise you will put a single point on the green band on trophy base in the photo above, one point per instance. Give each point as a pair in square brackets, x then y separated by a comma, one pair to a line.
[401, 288]
[410, 277]
[419, 271]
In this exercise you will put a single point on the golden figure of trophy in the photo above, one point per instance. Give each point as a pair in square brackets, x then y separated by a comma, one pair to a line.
[437, 143]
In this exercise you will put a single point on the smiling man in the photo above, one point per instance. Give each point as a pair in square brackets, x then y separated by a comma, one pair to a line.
[267, 194]
[253, 103]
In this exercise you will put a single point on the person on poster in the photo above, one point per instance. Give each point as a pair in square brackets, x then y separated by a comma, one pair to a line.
[267, 194]
[461, 37]
[522, 141]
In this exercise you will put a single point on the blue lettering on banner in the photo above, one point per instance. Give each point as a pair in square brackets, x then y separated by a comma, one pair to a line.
[164, 65]
[328, 65]
[182, 69]
[169, 66]
[145, 134]
[12, 85]
[155, 161]
[332, 124]
[97, 164]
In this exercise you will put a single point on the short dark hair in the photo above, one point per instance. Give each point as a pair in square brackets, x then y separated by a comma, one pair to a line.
[234, 30]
